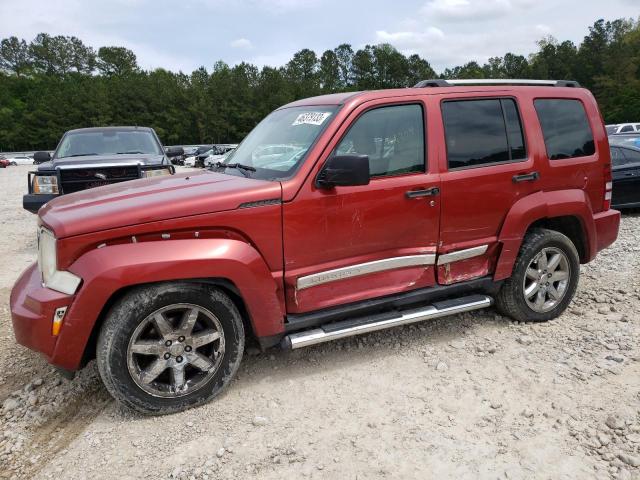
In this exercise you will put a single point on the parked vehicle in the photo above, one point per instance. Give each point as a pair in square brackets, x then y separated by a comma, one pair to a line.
[628, 139]
[626, 176]
[337, 215]
[217, 153]
[4, 163]
[192, 160]
[94, 157]
[623, 128]
[20, 160]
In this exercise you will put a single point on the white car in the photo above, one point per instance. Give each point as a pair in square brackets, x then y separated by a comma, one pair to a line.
[20, 160]
[623, 128]
[211, 159]
[190, 161]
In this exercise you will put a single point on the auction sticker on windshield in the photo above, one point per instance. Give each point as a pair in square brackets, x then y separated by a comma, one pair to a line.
[311, 118]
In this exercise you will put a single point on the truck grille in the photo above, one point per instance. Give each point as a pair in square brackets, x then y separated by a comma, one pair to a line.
[82, 179]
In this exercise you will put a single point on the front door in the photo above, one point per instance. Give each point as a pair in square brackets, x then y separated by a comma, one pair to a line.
[348, 244]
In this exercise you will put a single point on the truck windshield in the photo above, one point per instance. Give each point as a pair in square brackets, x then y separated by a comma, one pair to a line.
[108, 142]
[279, 144]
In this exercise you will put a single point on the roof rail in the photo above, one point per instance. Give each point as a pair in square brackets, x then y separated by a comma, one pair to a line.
[499, 81]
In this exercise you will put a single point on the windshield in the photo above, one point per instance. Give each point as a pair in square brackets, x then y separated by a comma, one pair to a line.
[280, 142]
[108, 142]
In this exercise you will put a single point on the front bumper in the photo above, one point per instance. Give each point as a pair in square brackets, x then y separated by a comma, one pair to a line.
[32, 310]
[33, 201]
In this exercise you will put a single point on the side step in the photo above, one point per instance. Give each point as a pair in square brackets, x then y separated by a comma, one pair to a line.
[348, 328]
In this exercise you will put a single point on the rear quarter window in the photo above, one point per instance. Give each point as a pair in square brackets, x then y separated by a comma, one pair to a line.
[566, 129]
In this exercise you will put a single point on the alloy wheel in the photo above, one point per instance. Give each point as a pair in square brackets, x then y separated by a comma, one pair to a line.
[175, 350]
[546, 279]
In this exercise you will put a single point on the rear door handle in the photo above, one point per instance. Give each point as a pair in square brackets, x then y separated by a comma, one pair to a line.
[427, 192]
[526, 177]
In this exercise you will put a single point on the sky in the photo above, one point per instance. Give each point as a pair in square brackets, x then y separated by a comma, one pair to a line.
[188, 34]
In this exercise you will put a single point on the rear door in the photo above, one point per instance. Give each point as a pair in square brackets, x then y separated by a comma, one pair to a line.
[486, 167]
[348, 244]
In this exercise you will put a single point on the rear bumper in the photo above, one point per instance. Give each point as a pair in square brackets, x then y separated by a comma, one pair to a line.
[607, 224]
[32, 310]
[33, 202]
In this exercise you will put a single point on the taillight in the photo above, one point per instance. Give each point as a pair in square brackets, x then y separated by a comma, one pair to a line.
[608, 187]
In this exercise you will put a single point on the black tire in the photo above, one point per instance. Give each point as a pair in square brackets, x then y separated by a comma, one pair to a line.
[510, 300]
[137, 305]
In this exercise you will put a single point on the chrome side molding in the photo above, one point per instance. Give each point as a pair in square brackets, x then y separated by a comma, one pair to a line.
[364, 269]
[462, 254]
[348, 328]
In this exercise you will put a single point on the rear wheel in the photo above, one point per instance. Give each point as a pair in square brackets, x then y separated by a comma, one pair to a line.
[164, 348]
[544, 279]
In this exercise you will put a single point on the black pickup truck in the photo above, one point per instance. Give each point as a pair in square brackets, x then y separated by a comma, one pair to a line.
[92, 157]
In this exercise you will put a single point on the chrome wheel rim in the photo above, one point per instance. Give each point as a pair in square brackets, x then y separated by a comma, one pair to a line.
[546, 279]
[175, 350]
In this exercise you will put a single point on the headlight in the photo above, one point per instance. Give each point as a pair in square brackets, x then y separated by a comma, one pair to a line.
[45, 184]
[65, 282]
[159, 172]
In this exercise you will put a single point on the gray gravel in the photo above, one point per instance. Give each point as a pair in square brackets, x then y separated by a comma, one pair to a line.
[470, 396]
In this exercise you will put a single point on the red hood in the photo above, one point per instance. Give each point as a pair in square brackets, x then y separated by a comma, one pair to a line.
[153, 199]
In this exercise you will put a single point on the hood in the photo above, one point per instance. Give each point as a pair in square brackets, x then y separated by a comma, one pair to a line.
[102, 160]
[152, 199]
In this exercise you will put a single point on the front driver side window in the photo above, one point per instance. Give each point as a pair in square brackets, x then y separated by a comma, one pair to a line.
[392, 137]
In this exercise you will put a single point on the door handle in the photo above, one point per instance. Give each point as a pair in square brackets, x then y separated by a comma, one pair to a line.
[427, 192]
[526, 177]
[629, 174]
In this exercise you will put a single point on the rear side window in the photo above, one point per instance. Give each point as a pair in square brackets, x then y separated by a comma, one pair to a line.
[617, 157]
[480, 132]
[631, 156]
[565, 127]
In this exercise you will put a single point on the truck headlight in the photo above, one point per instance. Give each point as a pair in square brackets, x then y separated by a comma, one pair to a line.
[61, 281]
[158, 172]
[45, 184]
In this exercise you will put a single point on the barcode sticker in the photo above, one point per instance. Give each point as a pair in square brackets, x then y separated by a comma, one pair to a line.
[311, 118]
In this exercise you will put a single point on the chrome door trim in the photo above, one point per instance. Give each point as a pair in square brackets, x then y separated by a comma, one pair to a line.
[462, 254]
[363, 269]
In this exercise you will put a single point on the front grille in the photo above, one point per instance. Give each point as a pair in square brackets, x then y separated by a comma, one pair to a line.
[82, 179]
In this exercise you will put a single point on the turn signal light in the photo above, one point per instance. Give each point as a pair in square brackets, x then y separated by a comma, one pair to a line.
[58, 317]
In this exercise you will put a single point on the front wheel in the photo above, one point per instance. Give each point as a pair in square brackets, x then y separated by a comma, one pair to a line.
[544, 279]
[167, 347]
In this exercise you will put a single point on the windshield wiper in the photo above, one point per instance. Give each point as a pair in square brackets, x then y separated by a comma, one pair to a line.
[239, 166]
[132, 152]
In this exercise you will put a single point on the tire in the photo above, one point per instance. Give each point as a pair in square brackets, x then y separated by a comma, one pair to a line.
[513, 299]
[196, 330]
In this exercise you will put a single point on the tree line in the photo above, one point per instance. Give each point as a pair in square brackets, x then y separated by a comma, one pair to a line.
[55, 83]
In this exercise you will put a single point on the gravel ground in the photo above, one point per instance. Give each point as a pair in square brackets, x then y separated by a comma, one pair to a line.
[469, 396]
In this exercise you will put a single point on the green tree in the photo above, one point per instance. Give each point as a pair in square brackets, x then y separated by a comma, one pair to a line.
[14, 56]
[116, 61]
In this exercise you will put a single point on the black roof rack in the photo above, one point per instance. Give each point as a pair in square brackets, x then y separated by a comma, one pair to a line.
[500, 81]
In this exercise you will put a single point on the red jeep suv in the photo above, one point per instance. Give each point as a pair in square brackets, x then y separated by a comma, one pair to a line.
[337, 215]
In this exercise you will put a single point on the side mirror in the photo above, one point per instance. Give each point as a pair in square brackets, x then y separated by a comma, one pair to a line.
[344, 171]
[41, 157]
[174, 151]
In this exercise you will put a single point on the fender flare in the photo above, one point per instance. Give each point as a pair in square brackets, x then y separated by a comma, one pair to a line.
[538, 206]
[105, 271]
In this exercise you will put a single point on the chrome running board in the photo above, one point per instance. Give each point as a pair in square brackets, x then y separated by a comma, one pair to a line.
[357, 326]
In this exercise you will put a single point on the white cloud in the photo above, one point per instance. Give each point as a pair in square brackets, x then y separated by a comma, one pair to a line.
[463, 10]
[242, 43]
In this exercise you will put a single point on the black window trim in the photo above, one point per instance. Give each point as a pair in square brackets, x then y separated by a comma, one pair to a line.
[584, 108]
[504, 119]
[425, 142]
